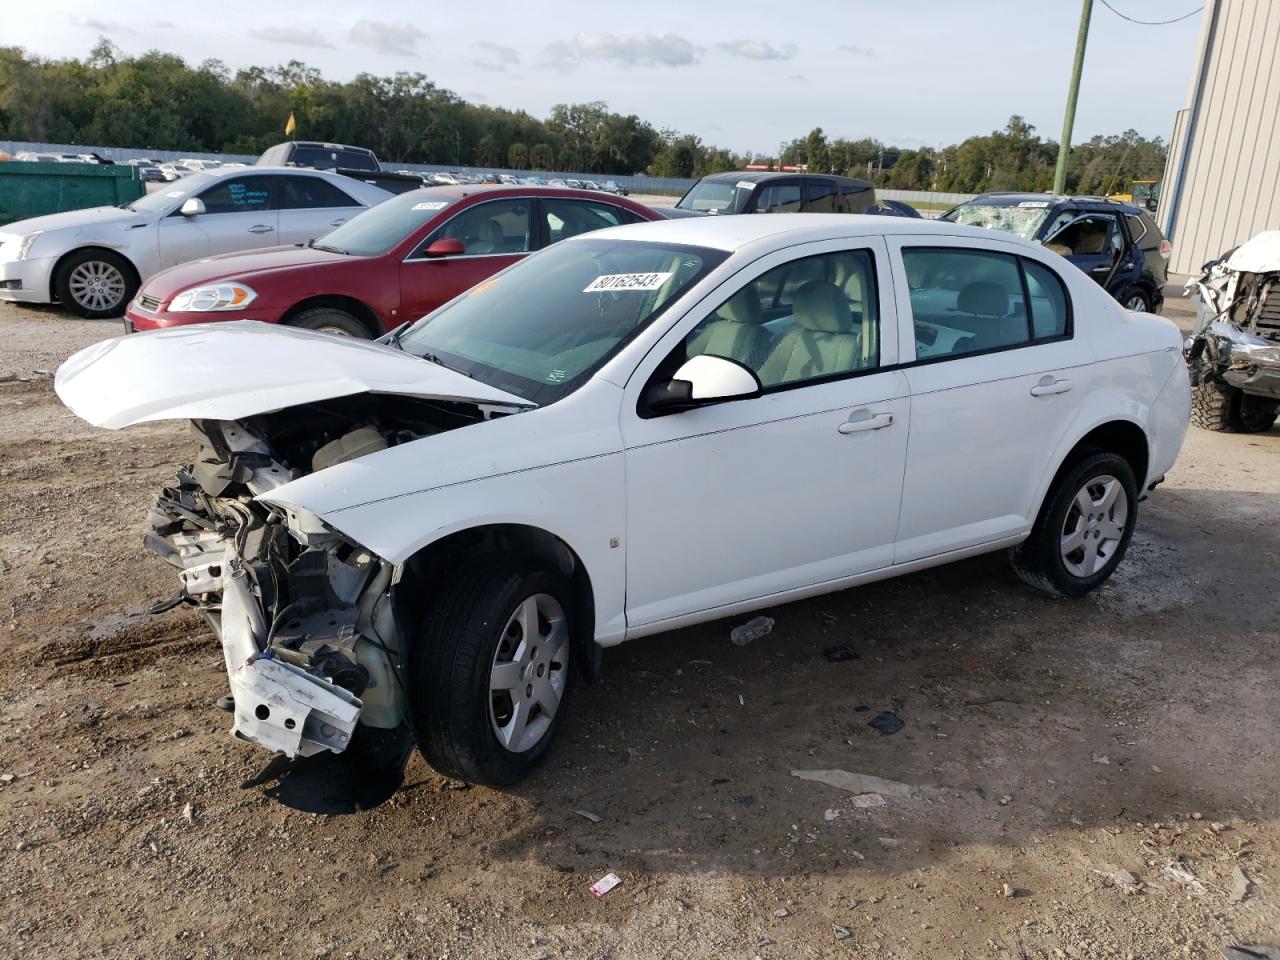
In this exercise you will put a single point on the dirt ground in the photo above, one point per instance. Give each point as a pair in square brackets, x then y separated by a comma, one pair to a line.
[1049, 744]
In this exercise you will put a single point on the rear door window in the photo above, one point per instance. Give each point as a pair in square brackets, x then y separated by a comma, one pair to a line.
[854, 199]
[965, 301]
[821, 196]
[309, 193]
[567, 218]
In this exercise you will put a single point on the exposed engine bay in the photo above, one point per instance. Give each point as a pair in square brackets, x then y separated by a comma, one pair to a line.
[305, 616]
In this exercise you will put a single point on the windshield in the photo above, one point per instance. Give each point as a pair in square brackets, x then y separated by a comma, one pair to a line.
[717, 196]
[378, 229]
[543, 326]
[1024, 218]
[172, 195]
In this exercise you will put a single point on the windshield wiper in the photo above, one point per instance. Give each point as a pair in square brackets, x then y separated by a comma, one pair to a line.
[327, 249]
[432, 358]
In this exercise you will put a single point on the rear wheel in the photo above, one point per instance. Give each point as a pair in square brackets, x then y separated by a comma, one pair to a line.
[330, 320]
[1135, 298]
[95, 284]
[1255, 414]
[493, 671]
[1083, 528]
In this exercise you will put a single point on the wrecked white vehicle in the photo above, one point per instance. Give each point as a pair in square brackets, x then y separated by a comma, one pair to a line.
[428, 539]
[1234, 351]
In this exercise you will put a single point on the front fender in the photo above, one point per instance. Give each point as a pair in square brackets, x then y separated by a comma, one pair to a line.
[579, 502]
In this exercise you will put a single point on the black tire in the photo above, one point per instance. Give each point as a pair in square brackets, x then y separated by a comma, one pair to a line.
[95, 284]
[1039, 560]
[1132, 296]
[455, 712]
[1212, 402]
[331, 320]
[1254, 414]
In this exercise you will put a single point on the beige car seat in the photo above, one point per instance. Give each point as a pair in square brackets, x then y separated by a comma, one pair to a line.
[823, 342]
[735, 332]
[851, 278]
[489, 238]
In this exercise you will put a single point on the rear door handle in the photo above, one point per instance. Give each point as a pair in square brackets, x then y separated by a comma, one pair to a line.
[337, 223]
[1049, 387]
[261, 228]
[861, 420]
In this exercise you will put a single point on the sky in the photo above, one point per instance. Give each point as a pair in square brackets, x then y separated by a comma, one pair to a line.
[746, 75]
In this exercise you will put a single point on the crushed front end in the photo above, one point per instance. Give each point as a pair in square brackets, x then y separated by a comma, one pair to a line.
[1237, 334]
[304, 615]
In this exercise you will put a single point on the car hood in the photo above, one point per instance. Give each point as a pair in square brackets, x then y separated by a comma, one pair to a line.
[1259, 255]
[77, 219]
[227, 371]
[243, 266]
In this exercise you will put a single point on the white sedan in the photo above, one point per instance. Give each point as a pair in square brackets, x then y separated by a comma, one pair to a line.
[93, 261]
[634, 430]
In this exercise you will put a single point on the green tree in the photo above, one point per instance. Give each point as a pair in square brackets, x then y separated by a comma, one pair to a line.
[541, 157]
[518, 156]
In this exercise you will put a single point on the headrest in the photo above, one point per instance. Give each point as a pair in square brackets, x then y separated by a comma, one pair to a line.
[983, 297]
[491, 232]
[848, 276]
[742, 307]
[820, 305]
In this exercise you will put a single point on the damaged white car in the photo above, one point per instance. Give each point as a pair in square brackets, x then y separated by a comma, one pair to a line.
[1234, 351]
[631, 431]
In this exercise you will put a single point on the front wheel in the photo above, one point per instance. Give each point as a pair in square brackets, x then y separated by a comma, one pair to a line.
[330, 320]
[95, 284]
[493, 671]
[1083, 529]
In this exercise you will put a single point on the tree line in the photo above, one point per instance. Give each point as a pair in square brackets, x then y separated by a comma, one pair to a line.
[157, 101]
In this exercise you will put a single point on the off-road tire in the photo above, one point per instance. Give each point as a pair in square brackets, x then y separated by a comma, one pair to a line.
[331, 320]
[1038, 559]
[62, 283]
[451, 663]
[1254, 414]
[1212, 404]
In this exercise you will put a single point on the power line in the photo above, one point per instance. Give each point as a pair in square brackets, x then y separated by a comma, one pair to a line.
[1150, 23]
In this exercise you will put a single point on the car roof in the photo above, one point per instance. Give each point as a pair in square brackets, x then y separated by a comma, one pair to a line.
[732, 233]
[760, 176]
[1053, 200]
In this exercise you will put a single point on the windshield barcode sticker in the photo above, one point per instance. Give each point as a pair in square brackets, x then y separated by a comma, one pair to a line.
[627, 281]
[431, 205]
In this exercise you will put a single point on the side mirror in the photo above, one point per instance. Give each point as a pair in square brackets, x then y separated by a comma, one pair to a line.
[700, 381]
[192, 207]
[446, 247]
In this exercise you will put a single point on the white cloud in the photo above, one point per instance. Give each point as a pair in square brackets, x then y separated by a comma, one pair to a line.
[164, 25]
[397, 38]
[292, 36]
[856, 51]
[629, 50]
[494, 56]
[91, 23]
[758, 50]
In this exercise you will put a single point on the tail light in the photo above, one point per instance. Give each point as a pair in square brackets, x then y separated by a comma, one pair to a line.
[1165, 247]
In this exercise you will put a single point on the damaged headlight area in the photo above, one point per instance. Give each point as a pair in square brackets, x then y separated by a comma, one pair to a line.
[304, 615]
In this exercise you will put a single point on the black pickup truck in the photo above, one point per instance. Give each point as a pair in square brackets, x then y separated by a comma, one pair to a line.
[356, 162]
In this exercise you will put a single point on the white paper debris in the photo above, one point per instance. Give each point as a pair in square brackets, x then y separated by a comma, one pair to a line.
[605, 884]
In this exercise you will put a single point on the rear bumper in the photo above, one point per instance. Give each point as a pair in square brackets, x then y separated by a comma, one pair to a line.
[138, 320]
[27, 281]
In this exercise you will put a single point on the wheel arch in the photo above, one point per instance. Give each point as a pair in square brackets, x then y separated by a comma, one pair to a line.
[57, 266]
[1118, 435]
[431, 564]
[357, 308]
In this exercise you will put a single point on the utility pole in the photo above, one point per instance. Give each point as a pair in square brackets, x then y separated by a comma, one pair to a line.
[1073, 91]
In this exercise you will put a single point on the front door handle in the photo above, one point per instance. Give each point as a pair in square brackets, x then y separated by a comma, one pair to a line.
[865, 420]
[1049, 387]
[337, 223]
[261, 228]
[1102, 268]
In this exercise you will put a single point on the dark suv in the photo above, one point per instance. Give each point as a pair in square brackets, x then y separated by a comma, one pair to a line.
[357, 162]
[1117, 244]
[755, 192]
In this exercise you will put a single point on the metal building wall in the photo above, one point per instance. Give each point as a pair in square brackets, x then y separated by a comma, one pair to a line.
[1228, 185]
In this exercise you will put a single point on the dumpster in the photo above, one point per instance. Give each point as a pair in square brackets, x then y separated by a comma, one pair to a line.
[34, 189]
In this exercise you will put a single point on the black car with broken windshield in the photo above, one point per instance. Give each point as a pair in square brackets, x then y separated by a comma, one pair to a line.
[1117, 244]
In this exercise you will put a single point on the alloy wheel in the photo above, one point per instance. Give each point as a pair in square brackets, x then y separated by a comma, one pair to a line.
[97, 285]
[529, 672]
[1094, 526]
[1136, 302]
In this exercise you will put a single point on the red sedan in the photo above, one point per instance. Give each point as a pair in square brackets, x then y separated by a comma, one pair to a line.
[394, 262]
